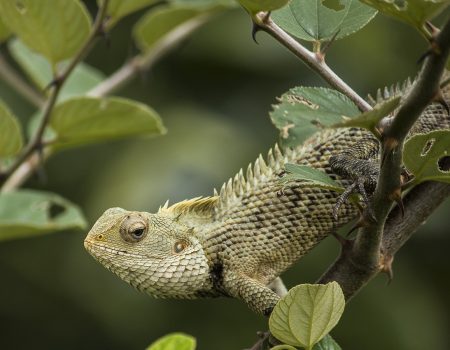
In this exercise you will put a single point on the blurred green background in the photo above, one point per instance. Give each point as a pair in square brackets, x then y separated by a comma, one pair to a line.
[213, 92]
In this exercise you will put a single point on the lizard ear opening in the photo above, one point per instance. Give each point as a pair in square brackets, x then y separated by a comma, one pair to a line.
[179, 246]
[134, 228]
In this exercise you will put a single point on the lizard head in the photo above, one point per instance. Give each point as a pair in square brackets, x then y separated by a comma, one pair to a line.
[153, 252]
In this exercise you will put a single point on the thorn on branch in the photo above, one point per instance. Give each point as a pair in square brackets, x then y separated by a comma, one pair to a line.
[405, 180]
[389, 144]
[397, 197]
[344, 242]
[255, 29]
[434, 31]
[434, 46]
[362, 222]
[386, 266]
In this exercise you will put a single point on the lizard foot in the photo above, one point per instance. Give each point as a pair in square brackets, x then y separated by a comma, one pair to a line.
[361, 186]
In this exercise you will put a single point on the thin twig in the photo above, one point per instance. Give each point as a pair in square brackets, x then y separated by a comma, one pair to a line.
[144, 61]
[35, 142]
[313, 60]
[13, 79]
[23, 172]
[365, 258]
[118, 79]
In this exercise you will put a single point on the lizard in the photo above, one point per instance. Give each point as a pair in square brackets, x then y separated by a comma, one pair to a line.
[238, 241]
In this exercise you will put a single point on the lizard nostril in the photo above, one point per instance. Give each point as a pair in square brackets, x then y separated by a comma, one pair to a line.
[100, 237]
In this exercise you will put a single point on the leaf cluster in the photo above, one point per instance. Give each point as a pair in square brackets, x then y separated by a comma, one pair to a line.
[45, 47]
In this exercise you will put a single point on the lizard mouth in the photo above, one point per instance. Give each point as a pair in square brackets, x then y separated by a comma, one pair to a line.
[98, 251]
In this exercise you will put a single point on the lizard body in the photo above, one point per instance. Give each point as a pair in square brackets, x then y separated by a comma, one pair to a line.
[237, 242]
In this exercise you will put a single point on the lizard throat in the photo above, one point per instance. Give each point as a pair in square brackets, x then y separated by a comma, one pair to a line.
[160, 277]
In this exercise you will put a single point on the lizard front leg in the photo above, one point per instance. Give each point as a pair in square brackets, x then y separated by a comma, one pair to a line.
[359, 164]
[259, 297]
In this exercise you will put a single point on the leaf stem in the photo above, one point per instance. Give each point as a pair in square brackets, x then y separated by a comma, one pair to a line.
[11, 77]
[315, 61]
[35, 143]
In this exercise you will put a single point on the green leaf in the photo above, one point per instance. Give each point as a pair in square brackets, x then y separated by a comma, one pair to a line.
[254, 6]
[205, 3]
[327, 343]
[320, 20]
[56, 29]
[427, 156]
[307, 313]
[118, 9]
[302, 110]
[311, 177]
[27, 213]
[174, 341]
[83, 120]
[283, 347]
[4, 31]
[158, 24]
[369, 120]
[11, 141]
[413, 12]
[38, 69]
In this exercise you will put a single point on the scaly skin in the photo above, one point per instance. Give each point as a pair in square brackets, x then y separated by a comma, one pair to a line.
[238, 242]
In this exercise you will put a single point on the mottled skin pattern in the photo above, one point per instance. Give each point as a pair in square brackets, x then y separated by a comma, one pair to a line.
[238, 242]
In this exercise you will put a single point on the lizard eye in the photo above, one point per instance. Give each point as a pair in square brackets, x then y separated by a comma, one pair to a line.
[133, 229]
[179, 246]
[138, 233]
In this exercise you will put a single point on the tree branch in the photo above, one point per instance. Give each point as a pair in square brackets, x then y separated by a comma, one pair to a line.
[35, 143]
[371, 252]
[420, 203]
[144, 61]
[313, 60]
[19, 84]
[108, 86]
[375, 245]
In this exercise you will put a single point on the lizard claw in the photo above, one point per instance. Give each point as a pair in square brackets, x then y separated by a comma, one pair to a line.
[357, 187]
[343, 198]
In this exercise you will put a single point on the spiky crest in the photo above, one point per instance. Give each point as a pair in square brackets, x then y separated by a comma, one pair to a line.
[256, 172]
[198, 206]
[389, 92]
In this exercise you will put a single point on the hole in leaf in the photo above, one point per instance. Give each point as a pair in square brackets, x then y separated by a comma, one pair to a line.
[444, 164]
[54, 210]
[317, 123]
[426, 148]
[20, 6]
[333, 5]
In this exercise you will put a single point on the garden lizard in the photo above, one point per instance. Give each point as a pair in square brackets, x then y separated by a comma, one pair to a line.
[238, 241]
